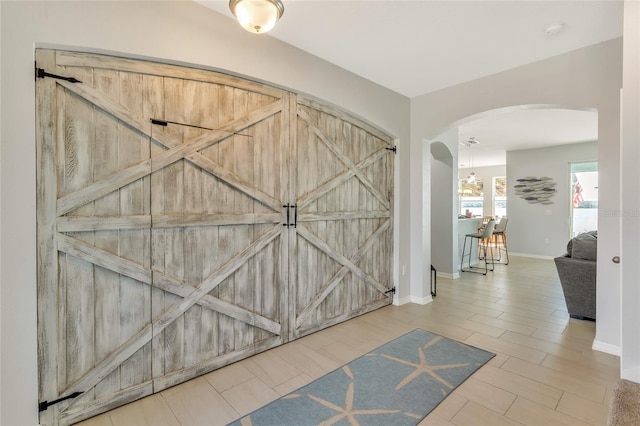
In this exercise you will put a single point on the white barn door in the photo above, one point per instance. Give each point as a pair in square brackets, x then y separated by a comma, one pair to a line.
[187, 219]
[160, 244]
[343, 185]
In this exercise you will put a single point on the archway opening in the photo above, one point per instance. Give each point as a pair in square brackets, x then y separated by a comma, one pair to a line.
[549, 156]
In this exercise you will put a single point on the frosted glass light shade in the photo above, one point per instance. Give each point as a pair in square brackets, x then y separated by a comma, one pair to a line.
[471, 178]
[257, 16]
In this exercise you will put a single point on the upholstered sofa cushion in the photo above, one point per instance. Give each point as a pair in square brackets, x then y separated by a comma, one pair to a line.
[584, 246]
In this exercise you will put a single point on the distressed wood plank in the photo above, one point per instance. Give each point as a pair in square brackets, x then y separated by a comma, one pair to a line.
[190, 103]
[84, 195]
[131, 222]
[177, 287]
[103, 258]
[153, 106]
[242, 164]
[289, 191]
[135, 245]
[102, 223]
[177, 377]
[105, 366]
[339, 275]
[348, 162]
[345, 116]
[172, 187]
[100, 405]
[226, 236]
[335, 216]
[79, 160]
[236, 182]
[47, 254]
[209, 231]
[339, 214]
[182, 227]
[312, 328]
[107, 286]
[154, 68]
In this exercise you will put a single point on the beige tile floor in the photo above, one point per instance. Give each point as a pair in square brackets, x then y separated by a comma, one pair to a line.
[544, 372]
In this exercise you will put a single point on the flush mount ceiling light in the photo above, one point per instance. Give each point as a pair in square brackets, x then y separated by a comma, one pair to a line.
[257, 16]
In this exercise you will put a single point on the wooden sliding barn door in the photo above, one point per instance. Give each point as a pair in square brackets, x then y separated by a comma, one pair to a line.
[343, 185]
[159, 221]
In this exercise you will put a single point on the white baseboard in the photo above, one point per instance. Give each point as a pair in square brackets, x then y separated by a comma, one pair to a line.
[533, 256]
[401, 301]
[447, 275]
[412, 299]
[606, 348]
[421, 300]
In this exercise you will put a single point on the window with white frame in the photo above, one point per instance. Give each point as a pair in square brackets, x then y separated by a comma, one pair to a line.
[500, 196]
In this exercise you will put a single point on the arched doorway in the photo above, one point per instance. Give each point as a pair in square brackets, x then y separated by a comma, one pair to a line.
[441, 204]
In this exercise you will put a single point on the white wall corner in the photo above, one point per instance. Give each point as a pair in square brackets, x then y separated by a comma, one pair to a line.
[606, 348]
[632, 374]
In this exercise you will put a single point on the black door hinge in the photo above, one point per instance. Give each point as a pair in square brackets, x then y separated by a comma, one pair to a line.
[392, 290]
[40, 73]
[394, 149]
[46, 404]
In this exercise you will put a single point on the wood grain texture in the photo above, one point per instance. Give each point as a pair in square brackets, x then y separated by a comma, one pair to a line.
[162, 253]
[47, 254]
[343, 248]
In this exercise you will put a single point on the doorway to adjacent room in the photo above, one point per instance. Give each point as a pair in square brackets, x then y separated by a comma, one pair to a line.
[584, 197]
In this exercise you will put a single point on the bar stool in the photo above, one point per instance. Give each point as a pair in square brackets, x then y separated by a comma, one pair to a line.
[500, 239]
[483, 238]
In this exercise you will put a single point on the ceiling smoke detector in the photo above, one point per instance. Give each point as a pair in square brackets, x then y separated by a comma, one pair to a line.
[553, 29]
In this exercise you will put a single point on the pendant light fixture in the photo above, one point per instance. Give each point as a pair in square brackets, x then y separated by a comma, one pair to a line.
[472, 176]
[257, 16]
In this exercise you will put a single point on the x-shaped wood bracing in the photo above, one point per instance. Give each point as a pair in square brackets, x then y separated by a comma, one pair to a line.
[190, 296]
[176, 151]
[352, 168]
[348, 266]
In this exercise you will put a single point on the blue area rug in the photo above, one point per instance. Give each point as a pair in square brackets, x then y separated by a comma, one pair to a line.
[397, 384]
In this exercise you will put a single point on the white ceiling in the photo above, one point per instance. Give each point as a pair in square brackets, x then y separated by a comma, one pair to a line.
[524, 129]
[416, 47]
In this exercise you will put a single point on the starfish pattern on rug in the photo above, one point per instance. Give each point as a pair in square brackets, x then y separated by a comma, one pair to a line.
[348, 411]
[424, 367]
[398, 383]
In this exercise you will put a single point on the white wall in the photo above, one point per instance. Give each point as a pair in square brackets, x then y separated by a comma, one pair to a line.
[586, 78]
[536, 229]
[177, 32]
[630, 212]
[444, 217]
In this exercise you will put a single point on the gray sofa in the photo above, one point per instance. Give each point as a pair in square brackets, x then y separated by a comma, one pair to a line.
[577, 272]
